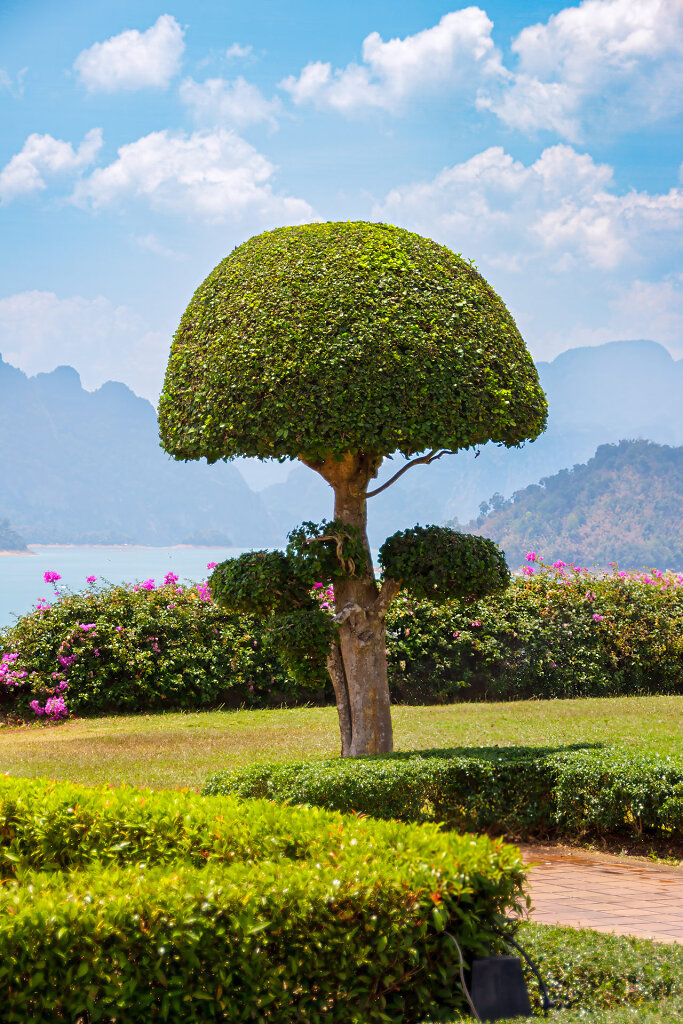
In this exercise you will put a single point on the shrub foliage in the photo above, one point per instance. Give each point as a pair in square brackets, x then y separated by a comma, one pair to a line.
[343, 337]
[438, 564]
[230, 909]
[556, 633]
[518, 791]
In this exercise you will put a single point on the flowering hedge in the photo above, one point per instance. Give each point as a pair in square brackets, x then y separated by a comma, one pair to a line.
[557, 631]
[136, 648]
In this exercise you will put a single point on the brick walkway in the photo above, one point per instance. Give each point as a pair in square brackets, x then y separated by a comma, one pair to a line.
[606, 894]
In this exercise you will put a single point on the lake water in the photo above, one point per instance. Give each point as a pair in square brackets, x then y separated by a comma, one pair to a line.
[21, 576]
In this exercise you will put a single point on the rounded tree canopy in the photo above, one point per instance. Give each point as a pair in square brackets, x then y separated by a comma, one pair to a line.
[439, 564]
[322, 339]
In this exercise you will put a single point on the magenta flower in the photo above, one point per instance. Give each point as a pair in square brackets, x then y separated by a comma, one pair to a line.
[170, 578]
[91, 579]
[85, 626]
[531, 556]
[211, 565]
[148, 585]
[590, 596]
[51, 577]
[598, 618]
[527, 570]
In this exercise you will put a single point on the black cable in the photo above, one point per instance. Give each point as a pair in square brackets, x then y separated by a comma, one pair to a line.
[462, 978]
[546, 1001]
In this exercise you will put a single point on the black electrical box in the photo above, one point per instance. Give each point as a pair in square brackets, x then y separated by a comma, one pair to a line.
[498, 989]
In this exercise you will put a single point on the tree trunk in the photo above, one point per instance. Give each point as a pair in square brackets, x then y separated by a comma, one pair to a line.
[359, 666]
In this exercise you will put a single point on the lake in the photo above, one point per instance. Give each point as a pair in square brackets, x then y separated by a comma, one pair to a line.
[21, 576]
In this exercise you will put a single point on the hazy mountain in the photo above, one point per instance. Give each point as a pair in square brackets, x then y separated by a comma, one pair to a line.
[623, 389]
[86, 467]
[623, 506]
[10, 539]
[81, 466]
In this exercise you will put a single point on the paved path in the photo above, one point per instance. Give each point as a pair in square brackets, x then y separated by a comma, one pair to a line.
[606, 894]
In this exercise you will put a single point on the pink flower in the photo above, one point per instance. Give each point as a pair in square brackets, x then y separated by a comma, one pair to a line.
[170, 578]
[91, 579]
[598, 618]
[559, 565]
[148, 585]
[527, 570]
[531, 556]
[211, 565]
[51, 577]
[85, 626]
[590, 596]
[317, 586]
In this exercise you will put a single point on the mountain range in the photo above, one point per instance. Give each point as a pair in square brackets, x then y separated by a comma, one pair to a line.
[624, 506]
[86, 467]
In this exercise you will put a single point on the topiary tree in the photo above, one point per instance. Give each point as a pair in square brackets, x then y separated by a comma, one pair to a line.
[340, 344]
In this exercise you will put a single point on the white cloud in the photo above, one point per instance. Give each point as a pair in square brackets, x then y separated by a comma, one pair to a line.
[217, 101]
[236, 51]
[13, 85]
[133, 60]
[605, 62]
[210, 174]
[602, 65]
[150, 243]
[630, 310]
[562, 209]
[103, 342]
[453, 52]
[41, 155]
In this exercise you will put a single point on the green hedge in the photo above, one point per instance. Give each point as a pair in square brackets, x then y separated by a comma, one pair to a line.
[558, 633]
[511, 791]
[164, 648]
[171, 906]
[600, 978]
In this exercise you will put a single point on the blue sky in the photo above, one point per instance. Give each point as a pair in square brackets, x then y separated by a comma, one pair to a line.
[142, 141]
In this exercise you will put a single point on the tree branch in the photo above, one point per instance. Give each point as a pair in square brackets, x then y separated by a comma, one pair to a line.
[423, 460]
[390, 589]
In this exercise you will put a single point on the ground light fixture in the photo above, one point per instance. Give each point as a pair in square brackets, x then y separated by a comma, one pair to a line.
[497, 989]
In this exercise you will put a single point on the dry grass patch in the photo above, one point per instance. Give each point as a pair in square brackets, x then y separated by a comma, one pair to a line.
[171, 750]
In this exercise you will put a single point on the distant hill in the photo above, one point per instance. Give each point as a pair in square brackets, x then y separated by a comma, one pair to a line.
[623, 506]
[597, 395]
[86, 468]
[10, 539]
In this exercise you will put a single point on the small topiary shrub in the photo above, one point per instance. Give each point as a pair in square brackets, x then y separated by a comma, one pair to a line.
[438, 564]
[243, 910]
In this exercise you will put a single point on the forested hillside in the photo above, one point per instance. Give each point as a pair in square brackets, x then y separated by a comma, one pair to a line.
[624, 505]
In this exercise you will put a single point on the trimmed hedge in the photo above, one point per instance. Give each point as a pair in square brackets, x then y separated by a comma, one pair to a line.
[519, 791]
[244, 911]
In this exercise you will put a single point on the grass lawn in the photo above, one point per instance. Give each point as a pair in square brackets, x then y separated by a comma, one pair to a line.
[171, 750]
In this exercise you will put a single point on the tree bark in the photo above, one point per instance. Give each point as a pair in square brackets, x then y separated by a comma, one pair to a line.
[359, 672]
[335, 666]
